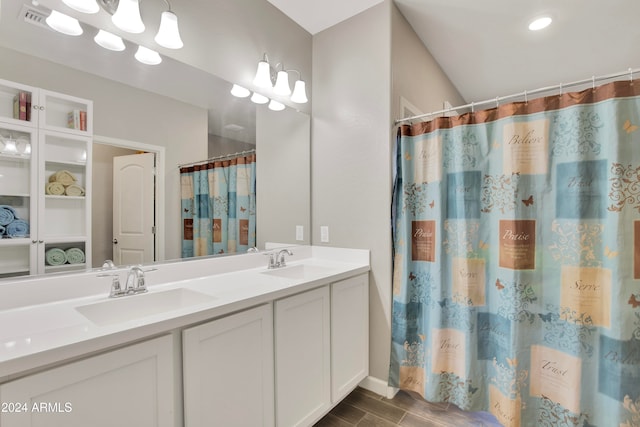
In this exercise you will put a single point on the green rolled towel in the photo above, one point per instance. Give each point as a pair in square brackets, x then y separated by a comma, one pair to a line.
[54, 189]
[74, 190]
[75, 256]
[55, 256]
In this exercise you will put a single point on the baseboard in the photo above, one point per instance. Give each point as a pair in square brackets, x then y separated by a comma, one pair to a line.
[378, 386]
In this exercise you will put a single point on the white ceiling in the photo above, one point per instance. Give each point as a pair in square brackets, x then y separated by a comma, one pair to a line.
[485, 47]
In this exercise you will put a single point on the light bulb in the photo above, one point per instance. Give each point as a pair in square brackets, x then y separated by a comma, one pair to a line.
[64, 24]
[259, 99]
[276, 106]
[84, 6]
[263, 75]
[127, 17]
[147, 56]
[168, 34]
[109, 41]
[299, 95]
[239, 91]
[540, 23]
[282, 84]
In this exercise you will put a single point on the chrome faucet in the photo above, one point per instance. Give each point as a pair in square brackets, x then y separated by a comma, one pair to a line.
[277, 260]
[281, 254]
[135, 281]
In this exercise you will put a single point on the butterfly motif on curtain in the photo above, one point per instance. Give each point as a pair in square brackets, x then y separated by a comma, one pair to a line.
[483, 245]
[629, 127]
[499, 285]
[243, 209]
[529, 201]
[512, 362]
[609, 253]
[412, 276]
[633, 301]
[496, 144]
[432, 204]
[407, 156]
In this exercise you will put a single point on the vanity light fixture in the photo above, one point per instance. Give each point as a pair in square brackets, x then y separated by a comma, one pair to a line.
[239, 91]
[168, 34]
[259, 99]
[109, 41]
[540, 23]
[84, 6]
[127, 16]
[64, 24]
[147, 56]
[265, 78]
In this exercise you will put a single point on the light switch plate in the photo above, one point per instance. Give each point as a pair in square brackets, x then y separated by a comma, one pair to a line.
[299, 233]
[324, 233]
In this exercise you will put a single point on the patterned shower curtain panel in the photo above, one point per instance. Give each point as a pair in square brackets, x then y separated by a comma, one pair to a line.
[516, 235]
[219, 207]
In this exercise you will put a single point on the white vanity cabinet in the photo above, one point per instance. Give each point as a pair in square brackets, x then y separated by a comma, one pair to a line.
[302, 342]
[349, 335]
[43, 133]
[131, 386]
[228, 371]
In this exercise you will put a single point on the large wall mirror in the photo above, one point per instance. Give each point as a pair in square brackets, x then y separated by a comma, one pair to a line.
[187, 112]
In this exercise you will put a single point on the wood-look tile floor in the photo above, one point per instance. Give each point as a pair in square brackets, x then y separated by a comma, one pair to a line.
[363, 408]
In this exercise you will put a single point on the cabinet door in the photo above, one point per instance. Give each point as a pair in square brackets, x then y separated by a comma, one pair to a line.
[18, 200]
[302, 357]
[349, 335]
[228, 371]
[64, 113]
[132, 386]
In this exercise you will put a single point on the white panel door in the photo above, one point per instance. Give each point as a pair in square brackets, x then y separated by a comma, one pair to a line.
[228, 371]
[349, 335]
[133, 209]
[303, 377]
[129, 387]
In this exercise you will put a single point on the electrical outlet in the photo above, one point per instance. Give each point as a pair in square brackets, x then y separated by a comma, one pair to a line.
[324, 233]
[299, 233]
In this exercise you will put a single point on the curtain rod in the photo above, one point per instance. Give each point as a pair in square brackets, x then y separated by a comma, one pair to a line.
[524, 94]
[224, 156]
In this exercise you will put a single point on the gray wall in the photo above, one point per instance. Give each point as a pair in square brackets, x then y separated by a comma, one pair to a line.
[361, 67]
[351, 167]
[128, 113]
[282, 175]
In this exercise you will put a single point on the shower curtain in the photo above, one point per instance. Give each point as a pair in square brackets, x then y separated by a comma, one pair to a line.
[516, 284]
[219, 206]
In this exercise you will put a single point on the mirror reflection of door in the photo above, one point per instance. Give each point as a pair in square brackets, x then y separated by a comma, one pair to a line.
[133, 213]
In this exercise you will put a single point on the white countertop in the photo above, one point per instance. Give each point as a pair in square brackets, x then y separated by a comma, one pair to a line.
[40, 324]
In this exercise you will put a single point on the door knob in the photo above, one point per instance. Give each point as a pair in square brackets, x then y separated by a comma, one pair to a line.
[115, 241]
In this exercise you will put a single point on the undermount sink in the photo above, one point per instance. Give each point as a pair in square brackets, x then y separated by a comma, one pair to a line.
[116, 310]
[299, 271]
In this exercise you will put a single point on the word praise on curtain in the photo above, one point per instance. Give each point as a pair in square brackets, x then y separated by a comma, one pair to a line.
[219, 206]
[516, 237]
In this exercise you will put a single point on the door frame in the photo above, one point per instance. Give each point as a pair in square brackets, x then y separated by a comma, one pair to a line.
[159, 189]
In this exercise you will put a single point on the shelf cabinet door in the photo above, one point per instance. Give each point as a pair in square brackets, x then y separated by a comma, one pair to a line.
[16, 104]
[65, 113]
[132, 386]
[302, 341]
[228, 371]
[349, 335]
[18, 199]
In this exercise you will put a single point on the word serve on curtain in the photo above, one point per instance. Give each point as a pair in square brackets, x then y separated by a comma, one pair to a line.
[516, 284]
[219, 206]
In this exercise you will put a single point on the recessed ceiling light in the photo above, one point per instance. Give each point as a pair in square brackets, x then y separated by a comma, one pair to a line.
[540, 23]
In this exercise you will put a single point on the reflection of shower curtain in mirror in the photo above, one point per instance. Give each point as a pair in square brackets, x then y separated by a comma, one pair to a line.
[219, 206]
[516, 283]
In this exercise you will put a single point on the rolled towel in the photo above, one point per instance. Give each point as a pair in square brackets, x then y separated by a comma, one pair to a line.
[74, 256]
[54, 188]
[64, 177]
[74, 190]
[55, 256]
[7, 214]
[17, 228]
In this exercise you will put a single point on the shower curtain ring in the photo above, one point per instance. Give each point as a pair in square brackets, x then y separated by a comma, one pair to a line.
[472, 108]
[593, 82]
[497, 101]
[630, 75]
[525, 97]
[560, 90]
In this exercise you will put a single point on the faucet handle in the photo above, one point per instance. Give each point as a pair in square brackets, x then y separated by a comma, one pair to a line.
[116, 288]
[273, 260]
